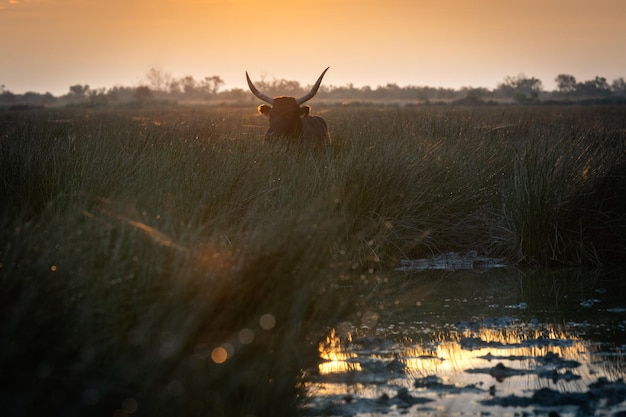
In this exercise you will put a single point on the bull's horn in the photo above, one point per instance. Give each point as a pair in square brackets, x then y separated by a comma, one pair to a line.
[257, 93]
[313, 91]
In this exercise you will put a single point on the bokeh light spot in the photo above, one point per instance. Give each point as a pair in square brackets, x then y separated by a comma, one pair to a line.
[246, 336]
[219, 355]
[267, 321]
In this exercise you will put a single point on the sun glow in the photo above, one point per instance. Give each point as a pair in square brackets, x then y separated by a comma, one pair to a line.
[414, 43]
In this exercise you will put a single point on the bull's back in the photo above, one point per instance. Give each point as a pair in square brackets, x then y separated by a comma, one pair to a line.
[315, 131]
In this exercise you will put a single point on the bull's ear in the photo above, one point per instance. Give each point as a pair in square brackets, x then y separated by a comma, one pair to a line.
[305, 111]
[264, 109]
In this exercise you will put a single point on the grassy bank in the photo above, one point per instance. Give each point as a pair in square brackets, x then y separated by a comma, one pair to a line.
[165, 262]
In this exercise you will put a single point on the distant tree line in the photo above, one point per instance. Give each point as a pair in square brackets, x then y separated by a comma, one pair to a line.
[160, 87]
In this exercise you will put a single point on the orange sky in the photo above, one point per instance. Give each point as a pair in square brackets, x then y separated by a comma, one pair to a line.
[48, 45]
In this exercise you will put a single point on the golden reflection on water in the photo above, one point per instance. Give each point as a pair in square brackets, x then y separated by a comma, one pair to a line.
[449, 356]
[453, 358]
[354, 367]
[336, 360]
[444, 352]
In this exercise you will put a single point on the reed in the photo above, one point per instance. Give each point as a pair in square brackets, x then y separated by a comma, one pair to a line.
[165, 262]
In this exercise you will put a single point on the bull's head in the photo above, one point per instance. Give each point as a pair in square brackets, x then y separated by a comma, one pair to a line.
[285, 113]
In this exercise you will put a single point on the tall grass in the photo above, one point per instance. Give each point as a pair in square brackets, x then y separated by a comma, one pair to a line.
[165, 262]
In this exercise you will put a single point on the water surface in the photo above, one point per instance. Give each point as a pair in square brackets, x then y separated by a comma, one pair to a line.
[498, 342]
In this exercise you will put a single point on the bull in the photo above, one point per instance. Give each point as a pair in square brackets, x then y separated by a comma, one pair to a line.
[290, 120]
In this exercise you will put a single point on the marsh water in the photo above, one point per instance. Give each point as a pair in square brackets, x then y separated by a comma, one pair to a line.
[500, 341]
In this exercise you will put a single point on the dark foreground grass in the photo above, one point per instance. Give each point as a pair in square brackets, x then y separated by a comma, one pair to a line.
[166, 263]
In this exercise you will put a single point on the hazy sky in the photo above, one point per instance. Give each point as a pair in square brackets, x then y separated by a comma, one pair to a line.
[48, 45]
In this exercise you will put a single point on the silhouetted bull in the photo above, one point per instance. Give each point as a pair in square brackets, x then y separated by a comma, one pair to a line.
[290, 120]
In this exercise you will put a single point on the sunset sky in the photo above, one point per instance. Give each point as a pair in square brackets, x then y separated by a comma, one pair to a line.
[48, 45]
